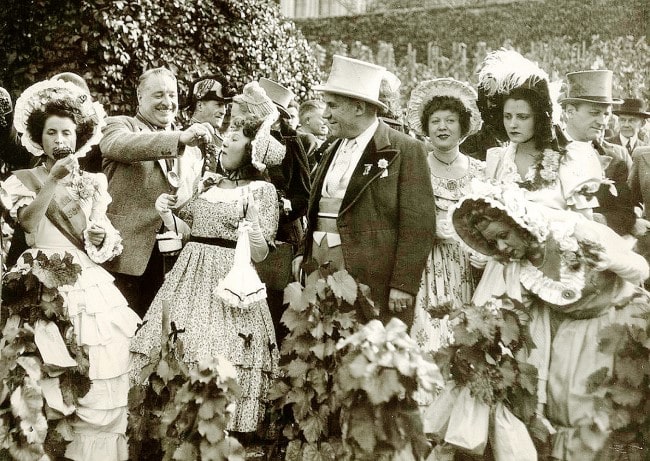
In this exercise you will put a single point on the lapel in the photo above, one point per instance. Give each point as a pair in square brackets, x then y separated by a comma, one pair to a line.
[143, 126]
[378, 148]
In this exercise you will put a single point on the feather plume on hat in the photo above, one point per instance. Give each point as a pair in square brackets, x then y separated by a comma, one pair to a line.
[504, 70]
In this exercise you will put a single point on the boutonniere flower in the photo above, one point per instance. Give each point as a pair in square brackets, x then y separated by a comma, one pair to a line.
[366, 168]
[383, 164]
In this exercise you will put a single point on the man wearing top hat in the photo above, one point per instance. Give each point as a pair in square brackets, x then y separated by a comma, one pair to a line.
[631, 118]
[371, 207]
[587, 106]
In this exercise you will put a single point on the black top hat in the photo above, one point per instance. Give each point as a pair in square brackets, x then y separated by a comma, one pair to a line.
[209, 88]
[632, 106]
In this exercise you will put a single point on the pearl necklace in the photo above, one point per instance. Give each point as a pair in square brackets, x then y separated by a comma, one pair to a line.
[447, 164]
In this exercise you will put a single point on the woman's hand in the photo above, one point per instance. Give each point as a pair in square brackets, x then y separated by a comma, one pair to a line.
[165, 203]
[249, 209]
[96, 234]
[444, 230]
[62, 168]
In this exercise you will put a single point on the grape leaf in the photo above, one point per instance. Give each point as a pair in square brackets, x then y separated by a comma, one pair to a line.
[312, 427]
[362, 430]
[509, 328]
[612, 338]
[597, 379]
[211, 430]
[294, 297]
[630, 370]
[383, 386]
[344, 286]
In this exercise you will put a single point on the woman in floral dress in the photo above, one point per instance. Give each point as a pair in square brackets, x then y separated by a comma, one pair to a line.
[212, 324]
[63, 210]
[587, 278]
[444, 111]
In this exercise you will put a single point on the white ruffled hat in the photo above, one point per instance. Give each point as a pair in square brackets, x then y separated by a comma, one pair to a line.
[41, 93]
[429, 89]
[266, 150]
[508, 197]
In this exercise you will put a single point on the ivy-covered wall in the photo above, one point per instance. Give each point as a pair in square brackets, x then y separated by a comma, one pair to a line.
[521, 22]
[110, 43]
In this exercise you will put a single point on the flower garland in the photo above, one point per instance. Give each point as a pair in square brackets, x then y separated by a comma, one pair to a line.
[544, 174]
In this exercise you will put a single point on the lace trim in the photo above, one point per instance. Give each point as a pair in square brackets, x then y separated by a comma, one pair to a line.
[561, 292]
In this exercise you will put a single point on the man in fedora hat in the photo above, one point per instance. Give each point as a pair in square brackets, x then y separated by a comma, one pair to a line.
[587, 106]
[207, 104]
[371, 208]
[631, 118]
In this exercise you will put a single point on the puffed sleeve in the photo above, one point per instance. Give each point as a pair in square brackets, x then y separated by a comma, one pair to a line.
[266, 198]
[112, 243]
[15, 195]
[617, 253]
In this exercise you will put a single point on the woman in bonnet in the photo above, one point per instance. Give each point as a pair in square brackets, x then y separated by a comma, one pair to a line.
[63, 210]
[198, 291]
[444, 111]
[586, 277]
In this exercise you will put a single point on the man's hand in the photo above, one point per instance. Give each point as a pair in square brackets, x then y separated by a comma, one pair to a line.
[195, 134]
[399, 301]
[295, 267]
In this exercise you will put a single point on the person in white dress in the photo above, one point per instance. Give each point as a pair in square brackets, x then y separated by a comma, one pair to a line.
[63, 210]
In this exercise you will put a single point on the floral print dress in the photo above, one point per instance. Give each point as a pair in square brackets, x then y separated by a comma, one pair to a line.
[244, 336]
[448, 276]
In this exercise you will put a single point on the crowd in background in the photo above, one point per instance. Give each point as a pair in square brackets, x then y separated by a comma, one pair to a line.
[510, 189]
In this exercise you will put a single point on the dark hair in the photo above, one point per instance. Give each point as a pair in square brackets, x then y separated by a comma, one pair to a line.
[446, 103]
[250, 126]
[542, 120]
[62, 107]
[481, 214]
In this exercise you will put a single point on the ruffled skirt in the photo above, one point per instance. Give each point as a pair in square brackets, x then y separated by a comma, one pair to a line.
[244, 336]
[574, 357]
[104, 324]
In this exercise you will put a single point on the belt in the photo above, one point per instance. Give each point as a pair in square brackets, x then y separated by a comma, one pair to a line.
[327, 225]
[216, 241]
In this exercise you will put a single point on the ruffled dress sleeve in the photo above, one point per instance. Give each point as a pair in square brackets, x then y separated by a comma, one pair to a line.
[112, 244]
[15, 195]
[267, 204]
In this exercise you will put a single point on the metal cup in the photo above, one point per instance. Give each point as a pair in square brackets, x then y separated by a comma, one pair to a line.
[174, 182]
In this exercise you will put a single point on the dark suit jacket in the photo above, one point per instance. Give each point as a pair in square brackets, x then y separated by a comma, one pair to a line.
[387, 225]
[616, 139]
[135, 180]
[639, 180]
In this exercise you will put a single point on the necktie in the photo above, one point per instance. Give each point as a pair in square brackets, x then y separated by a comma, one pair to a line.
[340, 166]
[629, 146]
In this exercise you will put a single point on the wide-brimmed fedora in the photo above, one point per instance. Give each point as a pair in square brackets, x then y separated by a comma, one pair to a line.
[632, 106]
[590, 86]
[355, 79]
[280, 95]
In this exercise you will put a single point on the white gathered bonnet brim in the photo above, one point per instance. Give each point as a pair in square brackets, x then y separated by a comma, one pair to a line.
[429, 89]
[507, 197]
[354, 79]
[39, 94]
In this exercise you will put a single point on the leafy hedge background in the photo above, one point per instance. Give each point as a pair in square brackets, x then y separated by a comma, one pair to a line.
[518, 22]
[111, 42]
